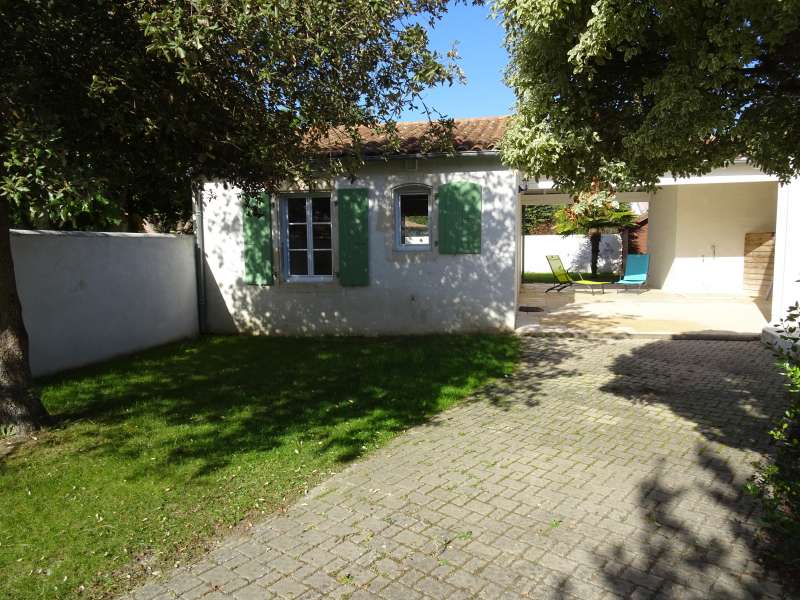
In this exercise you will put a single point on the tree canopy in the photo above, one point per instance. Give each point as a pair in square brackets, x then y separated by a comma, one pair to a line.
[622, 92]
[109, 109]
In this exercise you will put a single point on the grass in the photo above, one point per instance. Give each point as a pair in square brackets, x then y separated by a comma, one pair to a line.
[548, 277]
[158, 453]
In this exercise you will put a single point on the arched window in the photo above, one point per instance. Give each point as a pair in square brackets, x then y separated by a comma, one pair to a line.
[412, 217]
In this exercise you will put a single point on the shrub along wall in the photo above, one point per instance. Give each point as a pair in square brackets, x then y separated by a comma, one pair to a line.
[777, 483]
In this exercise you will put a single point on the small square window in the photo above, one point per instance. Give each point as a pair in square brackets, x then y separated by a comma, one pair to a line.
[322, 236]
[321, 209]
[323, 262]
[298, 262]
[296, 209]
[412, 220]
[298, 237]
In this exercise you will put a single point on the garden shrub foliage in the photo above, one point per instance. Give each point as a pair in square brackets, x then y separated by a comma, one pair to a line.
[777, 483]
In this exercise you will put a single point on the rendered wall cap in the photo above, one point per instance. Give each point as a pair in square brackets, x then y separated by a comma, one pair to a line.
[95, 234]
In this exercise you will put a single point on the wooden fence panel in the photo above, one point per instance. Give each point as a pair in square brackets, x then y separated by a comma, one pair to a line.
[759, 257]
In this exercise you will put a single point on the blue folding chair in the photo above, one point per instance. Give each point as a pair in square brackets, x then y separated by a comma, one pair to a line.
[636, 267]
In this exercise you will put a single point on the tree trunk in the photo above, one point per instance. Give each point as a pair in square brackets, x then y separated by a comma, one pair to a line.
[594, 238]
[19, 404]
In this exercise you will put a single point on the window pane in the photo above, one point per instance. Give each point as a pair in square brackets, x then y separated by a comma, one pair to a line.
[323, 263]
[322, 236]
[298, 262]
[296, 209]
[414, 219]
[297, 237]
[321, 210]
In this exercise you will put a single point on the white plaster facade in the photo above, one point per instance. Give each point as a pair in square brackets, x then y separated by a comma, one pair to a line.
[696, 242]
[87, 297]
[786, 290]
[408, 293]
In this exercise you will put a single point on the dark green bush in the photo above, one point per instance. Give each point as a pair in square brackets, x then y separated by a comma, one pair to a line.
[777, 482]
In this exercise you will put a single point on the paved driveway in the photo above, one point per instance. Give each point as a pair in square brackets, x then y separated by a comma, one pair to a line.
[602, 470]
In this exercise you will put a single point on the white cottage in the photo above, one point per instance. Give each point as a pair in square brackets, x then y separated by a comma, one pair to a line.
[422, 243]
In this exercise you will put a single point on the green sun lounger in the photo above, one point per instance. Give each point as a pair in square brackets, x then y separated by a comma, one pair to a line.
[636, 268]
[564, 279]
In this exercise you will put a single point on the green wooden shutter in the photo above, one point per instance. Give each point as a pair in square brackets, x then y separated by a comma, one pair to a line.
[258, 241]
[459, 218]
[353, 237]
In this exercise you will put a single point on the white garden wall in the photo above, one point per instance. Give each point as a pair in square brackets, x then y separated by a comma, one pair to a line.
[87, 297]
[408, 292]
[575, 252]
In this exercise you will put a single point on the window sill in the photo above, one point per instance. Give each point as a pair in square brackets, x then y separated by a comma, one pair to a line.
[309, 279]
[412, 248]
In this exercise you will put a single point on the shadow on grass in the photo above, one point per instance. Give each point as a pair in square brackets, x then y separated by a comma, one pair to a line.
[221, 395]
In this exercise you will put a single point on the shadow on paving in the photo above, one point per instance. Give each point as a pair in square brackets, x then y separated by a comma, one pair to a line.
[525, 386]
[673, 555]
[732, 393]
[726, 388]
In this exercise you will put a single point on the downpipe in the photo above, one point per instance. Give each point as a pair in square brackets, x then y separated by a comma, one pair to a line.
[200, 254]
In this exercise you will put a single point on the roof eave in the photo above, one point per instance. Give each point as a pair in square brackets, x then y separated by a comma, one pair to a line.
[426, 155]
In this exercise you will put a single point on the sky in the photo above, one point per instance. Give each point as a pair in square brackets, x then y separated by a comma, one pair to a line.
[483, 60]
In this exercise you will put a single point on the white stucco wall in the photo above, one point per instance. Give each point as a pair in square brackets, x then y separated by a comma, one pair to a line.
[409, 292]
[87, 297]
[575, 252]
[662, 234]
[787, 250]
[696, 234]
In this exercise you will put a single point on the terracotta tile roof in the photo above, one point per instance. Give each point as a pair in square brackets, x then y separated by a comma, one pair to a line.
[469, 135]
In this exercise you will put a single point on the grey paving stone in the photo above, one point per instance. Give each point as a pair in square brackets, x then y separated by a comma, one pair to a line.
[252, 592]
[601, 469]
[183, 582]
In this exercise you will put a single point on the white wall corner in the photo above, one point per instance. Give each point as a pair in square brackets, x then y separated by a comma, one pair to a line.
[786, 287]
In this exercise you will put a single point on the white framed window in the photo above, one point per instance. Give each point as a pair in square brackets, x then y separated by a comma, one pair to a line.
[412, 218]
[307, 237]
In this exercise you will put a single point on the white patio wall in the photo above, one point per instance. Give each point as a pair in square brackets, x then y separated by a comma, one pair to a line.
[575, 252]
[87, 297]
[696, 234]
[408, 292]
[786, 289]
[787, 250]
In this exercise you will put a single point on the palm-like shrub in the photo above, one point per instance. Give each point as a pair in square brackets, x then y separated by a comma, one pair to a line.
[591, 214]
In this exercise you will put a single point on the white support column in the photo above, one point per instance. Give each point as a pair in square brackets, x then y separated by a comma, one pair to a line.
[786, 287]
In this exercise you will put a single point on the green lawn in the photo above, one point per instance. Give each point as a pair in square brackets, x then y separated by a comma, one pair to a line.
[157, 453]
[548, 277]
